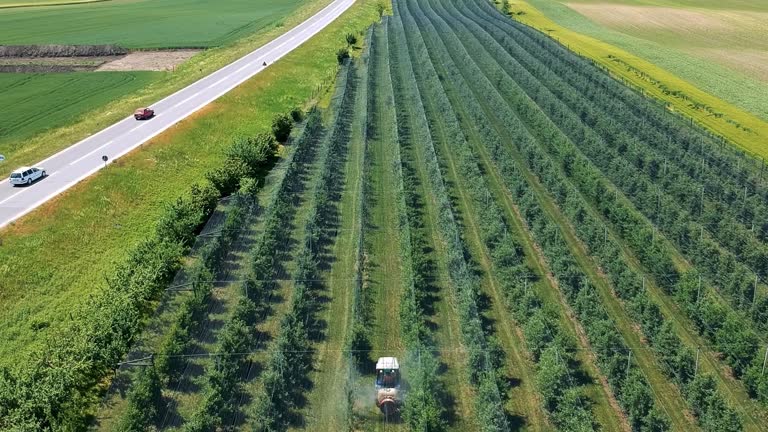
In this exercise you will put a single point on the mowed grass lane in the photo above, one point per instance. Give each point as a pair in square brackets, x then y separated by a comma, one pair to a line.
[327, 401]
[56, 256]
[34, 103]
[142, 23]
[384, 265]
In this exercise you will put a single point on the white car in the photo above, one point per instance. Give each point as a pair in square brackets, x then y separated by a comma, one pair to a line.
[26, 175]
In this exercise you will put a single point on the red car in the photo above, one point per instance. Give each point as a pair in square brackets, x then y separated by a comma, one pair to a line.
[143, 114]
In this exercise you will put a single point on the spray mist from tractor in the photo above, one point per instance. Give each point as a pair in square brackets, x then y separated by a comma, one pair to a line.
[388, 392]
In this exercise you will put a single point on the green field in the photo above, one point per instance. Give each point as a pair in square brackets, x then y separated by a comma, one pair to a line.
[34, 103]
[718, 46]
[34, 3]
[143, 23]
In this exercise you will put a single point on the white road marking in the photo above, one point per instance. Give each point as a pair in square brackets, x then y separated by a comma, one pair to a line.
[12, 196]
[90, 153]
[187, 99]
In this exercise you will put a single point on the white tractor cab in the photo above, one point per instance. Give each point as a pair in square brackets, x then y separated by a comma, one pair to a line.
[26, 175]
[388, 397]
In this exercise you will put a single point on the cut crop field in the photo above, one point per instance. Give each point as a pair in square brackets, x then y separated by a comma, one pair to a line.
[540, 246]
[33, 103]
[143, 23]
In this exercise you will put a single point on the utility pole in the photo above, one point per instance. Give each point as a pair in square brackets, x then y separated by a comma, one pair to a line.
[698, 292]
[754, 291]
[629, 362]
[696, 368]
[765, 358]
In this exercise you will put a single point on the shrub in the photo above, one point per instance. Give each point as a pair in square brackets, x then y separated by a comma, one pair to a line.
[297, 114]
[253, 152]
[341, 55]
[183, 217]
[145, 400]
[281, 127]
[226, 178]
[351, 39]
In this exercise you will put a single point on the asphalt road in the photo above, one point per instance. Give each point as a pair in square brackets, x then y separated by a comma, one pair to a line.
[75, 163]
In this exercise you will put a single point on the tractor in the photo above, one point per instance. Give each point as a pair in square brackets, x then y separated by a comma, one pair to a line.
[388, 397]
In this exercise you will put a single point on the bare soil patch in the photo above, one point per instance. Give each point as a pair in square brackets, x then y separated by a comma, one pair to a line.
[148, 61]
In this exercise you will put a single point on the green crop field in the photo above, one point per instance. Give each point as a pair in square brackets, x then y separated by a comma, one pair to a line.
[34, 103]
[34, 3]
[542, 247]
[143, 23]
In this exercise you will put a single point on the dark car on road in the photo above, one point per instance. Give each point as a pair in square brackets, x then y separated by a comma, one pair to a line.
[143, 113]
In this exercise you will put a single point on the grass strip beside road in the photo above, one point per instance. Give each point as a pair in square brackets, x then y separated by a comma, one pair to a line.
[56, 256]
[650, 78]
[46, 143]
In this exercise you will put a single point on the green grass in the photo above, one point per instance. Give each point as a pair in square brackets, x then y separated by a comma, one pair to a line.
[34, 103]
[37, 3]
[142, 23]
[78, 117]
[48, 265]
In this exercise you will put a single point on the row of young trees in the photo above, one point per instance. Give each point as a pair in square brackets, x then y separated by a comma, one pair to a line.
[486, 358]
[678, 360]
[729, 331]
[628, 382]
[169, 362]
[145, 402]
[358, 338]
[424, 402]
[222, 382]
[286, 374]
[726, 169]
[678, 162]
[551, 347]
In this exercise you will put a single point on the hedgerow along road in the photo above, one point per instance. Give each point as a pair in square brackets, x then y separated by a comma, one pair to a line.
[75, 163]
